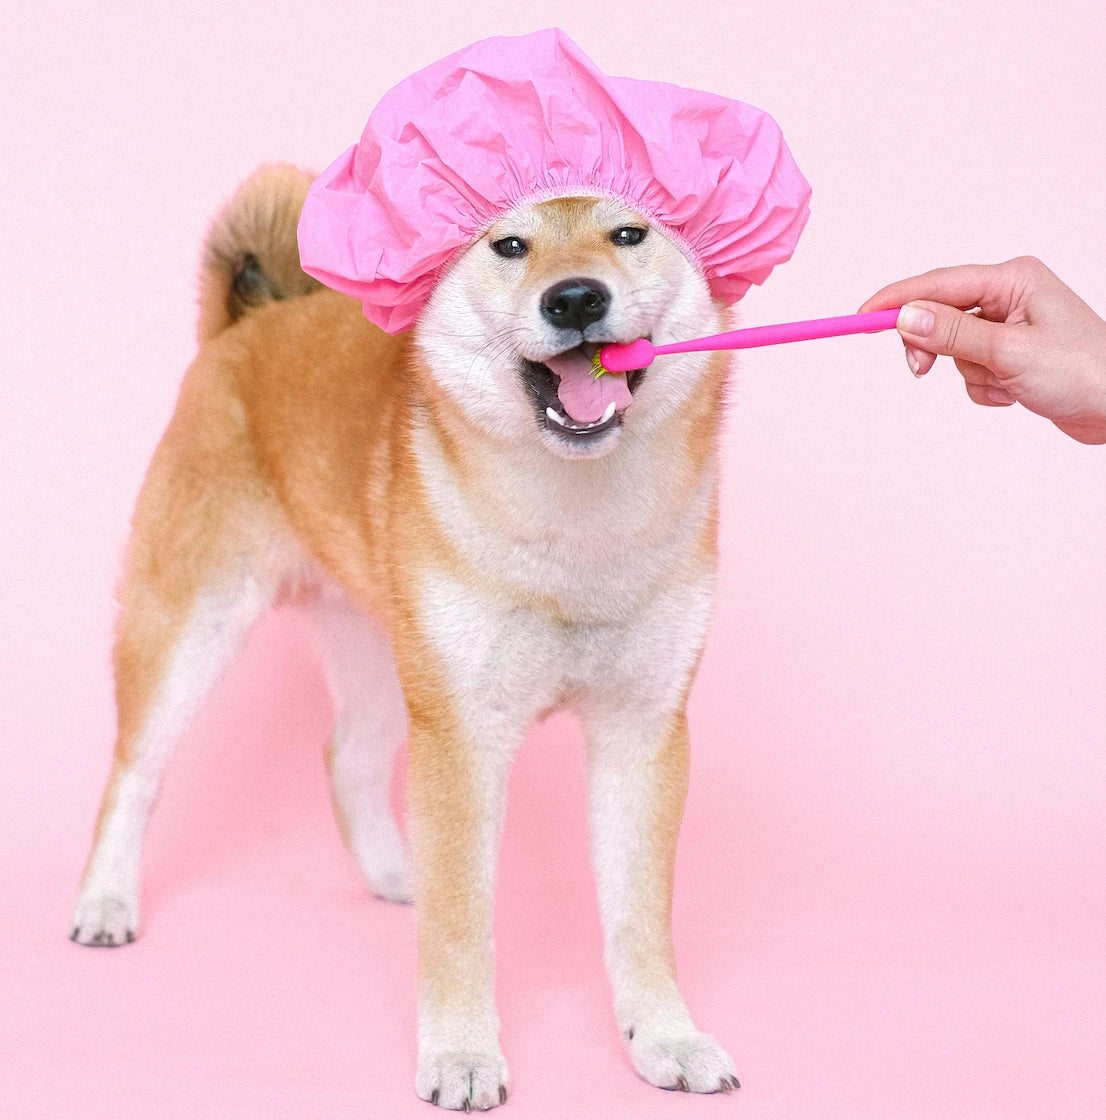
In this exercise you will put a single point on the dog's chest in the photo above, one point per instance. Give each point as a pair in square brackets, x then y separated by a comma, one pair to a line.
[572, 591]
[589, 546]
[517, 661]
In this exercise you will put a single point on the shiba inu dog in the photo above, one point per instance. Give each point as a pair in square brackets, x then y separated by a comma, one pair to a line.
[483, 532]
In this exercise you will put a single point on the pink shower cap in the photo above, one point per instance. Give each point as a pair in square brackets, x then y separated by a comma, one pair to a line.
[508, 120]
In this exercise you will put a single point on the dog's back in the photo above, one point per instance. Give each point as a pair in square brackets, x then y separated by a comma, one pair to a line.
[300, 396]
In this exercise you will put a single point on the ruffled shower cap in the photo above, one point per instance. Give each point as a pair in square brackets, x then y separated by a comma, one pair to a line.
[519, 119]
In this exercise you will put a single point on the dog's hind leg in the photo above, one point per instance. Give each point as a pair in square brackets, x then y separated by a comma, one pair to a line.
[370, 721]
[203, 643]
[202, 565]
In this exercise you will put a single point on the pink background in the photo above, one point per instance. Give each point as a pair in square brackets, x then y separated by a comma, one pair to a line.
[891, 899]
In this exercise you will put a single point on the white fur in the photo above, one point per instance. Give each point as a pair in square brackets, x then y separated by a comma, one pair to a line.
[461, 1077]
[494, 668]
[626, 718]
[582, 533]
[370, 721]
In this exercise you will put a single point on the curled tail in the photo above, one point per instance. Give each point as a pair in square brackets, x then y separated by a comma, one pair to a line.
[251, 255]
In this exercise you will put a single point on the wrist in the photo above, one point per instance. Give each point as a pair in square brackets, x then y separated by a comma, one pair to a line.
[1087, 423]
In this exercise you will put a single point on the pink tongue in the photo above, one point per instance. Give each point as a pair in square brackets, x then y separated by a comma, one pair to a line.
[585, 397]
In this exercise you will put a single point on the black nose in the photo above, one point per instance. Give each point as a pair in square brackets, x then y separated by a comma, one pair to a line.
[575, 303]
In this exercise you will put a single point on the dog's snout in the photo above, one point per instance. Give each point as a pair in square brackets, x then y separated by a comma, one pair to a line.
[575, 303]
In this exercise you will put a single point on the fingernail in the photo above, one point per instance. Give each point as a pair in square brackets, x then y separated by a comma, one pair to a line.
[915, 320]
[999, 396]
[914, 361]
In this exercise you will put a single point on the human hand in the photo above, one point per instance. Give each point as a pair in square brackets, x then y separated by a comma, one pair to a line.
[1033, 341]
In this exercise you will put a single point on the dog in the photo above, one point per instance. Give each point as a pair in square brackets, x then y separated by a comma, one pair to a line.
[478, 545]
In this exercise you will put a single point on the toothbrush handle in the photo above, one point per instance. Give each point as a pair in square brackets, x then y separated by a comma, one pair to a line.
[868, 323]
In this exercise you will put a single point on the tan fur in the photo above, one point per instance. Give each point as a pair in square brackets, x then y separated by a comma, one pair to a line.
[562, 251]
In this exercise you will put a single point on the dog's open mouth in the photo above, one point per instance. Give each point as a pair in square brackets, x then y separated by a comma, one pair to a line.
[571, 401]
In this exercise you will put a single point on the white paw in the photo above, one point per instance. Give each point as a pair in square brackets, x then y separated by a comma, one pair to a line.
[104, 920]
[464, 1081]
[393, 884]
[693, 1063]
[385, 870]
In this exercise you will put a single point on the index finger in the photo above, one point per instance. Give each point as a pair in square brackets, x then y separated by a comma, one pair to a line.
[963, 286]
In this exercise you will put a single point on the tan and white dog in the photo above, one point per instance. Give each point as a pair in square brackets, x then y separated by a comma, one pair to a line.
[476, 552]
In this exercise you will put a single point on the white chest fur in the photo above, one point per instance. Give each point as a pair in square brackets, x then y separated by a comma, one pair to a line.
[608, 545]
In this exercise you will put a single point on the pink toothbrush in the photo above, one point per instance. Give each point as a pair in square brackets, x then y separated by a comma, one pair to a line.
[622, 357]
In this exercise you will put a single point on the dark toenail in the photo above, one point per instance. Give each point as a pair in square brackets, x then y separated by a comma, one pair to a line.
[434, 1097]
[130, 936]
[630, 1034]
[502, 1094]
[73, 935]
[466, 1105]
[681, 1084]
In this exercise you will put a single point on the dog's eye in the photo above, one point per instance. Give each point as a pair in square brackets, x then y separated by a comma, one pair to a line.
[509, 247]
[629, 235]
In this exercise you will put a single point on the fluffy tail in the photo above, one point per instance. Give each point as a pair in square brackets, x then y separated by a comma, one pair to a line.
[251, 255]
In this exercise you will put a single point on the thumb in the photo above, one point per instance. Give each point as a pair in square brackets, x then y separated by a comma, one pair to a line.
[940, 329]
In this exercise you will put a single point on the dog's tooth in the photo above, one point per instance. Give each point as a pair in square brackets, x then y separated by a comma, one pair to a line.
[607, 414]
[556, 417]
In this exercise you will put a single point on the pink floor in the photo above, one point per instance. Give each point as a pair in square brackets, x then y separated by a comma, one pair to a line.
[849, 978]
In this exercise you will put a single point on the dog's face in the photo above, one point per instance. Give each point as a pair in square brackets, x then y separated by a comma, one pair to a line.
[511, 329]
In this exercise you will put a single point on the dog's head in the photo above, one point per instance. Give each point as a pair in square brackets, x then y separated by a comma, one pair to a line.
[512, 327]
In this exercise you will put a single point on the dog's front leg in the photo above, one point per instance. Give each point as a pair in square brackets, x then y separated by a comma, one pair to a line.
[638, 765]
[456, 794]
[471, 698]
